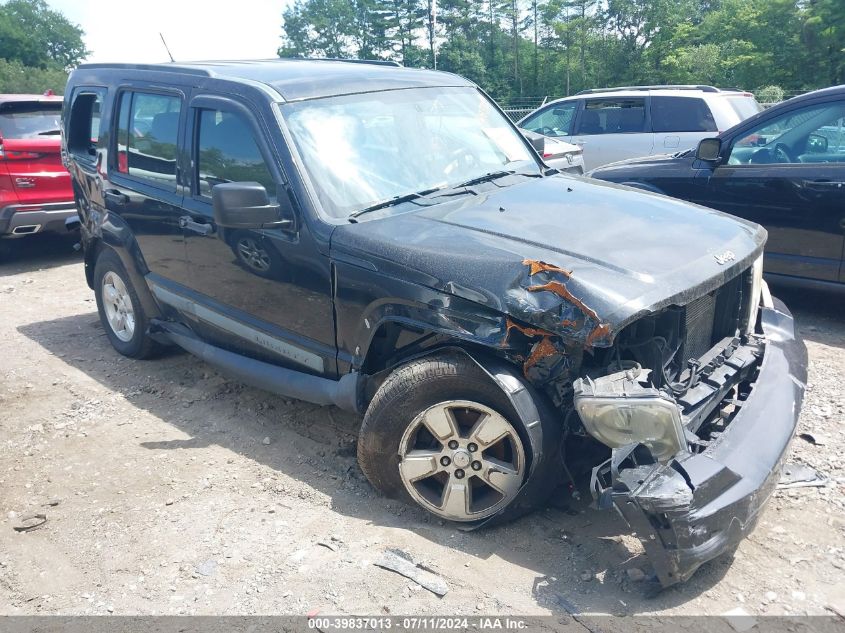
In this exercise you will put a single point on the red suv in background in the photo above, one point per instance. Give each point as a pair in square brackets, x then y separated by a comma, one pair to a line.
[35, 189]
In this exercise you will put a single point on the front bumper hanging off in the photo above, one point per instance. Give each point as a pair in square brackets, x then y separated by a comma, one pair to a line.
[697, 507]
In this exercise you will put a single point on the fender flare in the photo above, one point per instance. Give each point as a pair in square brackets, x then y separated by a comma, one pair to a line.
[116, 235]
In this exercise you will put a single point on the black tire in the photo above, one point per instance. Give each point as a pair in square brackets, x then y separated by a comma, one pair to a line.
[411, 389]
[140, 345]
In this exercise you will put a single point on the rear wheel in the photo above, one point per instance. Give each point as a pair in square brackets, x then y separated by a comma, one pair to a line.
[441, 434]
[120, 310]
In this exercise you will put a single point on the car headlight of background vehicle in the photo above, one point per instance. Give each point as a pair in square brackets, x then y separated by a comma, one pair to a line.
[754, 297]
[618, 410]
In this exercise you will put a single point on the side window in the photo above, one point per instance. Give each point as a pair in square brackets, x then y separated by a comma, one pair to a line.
[226, 151]
[147, 131]
[808, 135]
[681, 114]
[84, 125]
[612, 116]
[556, 120]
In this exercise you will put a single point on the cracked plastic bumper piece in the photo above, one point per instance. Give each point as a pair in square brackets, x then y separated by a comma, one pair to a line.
[698, 507]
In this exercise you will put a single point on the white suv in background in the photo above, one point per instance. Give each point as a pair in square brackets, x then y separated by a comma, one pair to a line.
[614, 124]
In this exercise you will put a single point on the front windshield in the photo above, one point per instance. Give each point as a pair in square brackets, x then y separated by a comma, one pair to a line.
[364, 149]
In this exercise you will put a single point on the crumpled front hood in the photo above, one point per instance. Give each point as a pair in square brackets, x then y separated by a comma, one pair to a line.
[576, 257]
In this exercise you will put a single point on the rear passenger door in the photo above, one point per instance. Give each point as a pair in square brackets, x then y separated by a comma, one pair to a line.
[679, 123]
[613, 128]
[143, 186]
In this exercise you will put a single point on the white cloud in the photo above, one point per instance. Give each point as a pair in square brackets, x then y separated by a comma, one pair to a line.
[128, 30]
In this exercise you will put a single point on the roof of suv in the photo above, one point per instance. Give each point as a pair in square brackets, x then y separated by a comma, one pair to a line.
[296, 79]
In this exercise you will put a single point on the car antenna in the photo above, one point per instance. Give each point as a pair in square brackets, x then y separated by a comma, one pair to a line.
[167, 48]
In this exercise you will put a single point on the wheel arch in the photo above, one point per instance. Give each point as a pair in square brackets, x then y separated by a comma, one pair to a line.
[114, 234]
[536, 415]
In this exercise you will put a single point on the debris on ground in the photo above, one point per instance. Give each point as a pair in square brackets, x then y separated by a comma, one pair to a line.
[207, 568]
[740, 620]
[801, 476]
[401, 563]
[31, 522]
[813, 438]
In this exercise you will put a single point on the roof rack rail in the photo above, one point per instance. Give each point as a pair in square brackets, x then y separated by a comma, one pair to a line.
[373, 62]
[657, 87]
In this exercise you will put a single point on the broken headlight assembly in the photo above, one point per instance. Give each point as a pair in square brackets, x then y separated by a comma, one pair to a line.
[623, 408]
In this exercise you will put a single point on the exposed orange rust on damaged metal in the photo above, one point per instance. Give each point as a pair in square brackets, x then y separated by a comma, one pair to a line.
[561, 290]
[528, 331]
[536, 266]
[542, 349]
[602, 330]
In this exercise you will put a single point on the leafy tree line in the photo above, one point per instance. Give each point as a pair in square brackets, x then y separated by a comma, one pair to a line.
[38, 46]
[527, 48]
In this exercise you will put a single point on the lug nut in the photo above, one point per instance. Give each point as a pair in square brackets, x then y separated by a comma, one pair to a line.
[459, 474]
[445, 461]
[476, 465]
[472, 447]
[453, 444]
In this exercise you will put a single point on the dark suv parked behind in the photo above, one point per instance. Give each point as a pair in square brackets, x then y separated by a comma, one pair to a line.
[385, 240]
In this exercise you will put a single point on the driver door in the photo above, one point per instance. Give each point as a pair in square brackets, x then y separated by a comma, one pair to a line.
[788, 173]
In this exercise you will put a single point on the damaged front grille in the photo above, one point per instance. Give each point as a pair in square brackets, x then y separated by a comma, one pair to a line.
[711, 318]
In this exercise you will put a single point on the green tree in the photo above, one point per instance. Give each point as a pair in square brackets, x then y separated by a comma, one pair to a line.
[17, 78]
[36, 36]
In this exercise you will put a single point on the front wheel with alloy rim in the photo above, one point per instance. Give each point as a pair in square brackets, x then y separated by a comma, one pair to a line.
[441, 434]
[120, 310]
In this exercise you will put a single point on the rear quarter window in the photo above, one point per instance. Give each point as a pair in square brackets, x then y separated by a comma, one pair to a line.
[744, 106]
[681, 114]
[84, 123]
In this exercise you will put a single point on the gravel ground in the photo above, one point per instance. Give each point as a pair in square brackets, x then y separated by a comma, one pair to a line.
[170, 489]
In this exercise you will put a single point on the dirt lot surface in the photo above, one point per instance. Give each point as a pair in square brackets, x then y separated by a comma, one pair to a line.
[179, 491]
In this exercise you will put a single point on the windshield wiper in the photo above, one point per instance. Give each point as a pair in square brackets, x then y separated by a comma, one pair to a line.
[393, 201]
[50, 133]
[493, 175]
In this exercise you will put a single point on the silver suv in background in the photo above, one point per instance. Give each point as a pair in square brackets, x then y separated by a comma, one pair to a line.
[613, 124]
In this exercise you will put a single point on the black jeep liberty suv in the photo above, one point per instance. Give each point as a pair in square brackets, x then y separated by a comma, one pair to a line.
[384, 240]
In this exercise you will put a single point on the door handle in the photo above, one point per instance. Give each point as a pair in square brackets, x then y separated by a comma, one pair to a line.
[112, 195]
[186, 222]
[824, 184]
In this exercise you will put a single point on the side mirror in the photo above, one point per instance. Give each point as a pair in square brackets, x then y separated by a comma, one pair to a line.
[538, 141]
[246, 205]
[708, 149]
[817, 144]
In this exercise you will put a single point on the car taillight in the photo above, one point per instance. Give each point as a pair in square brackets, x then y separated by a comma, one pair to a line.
[547, 154]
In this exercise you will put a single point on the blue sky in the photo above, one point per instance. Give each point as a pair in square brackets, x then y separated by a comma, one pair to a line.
[127, 30]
